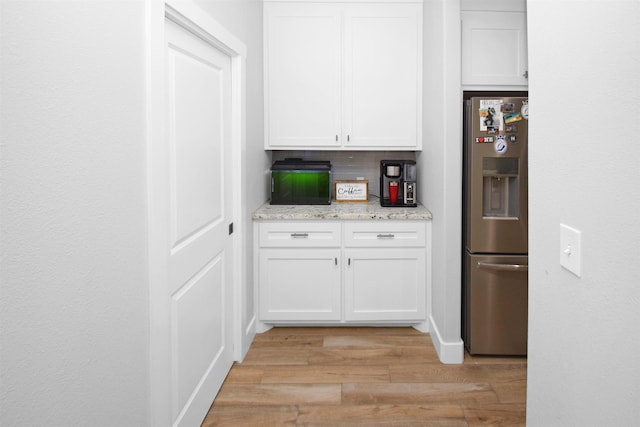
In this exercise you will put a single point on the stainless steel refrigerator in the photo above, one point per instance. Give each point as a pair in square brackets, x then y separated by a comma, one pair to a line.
[495, 261]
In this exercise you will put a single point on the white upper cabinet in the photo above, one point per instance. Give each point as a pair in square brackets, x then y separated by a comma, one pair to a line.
[494, 50]
[302, 65]
[343, 75]
[382, 76]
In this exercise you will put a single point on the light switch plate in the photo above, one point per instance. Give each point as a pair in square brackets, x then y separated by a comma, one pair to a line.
[570, 248]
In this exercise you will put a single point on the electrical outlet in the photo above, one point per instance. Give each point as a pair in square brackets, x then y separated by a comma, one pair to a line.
[570, 248]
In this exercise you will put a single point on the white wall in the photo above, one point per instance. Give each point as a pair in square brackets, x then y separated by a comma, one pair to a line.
[74, 312]
[440, 170]
[74, 298]
[584, 62]
[243, 18]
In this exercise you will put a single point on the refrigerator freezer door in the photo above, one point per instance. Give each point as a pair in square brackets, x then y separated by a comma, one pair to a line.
[496, 179]
[495, 300]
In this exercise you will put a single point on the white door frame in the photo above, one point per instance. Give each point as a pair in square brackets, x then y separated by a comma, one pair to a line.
[193, 17]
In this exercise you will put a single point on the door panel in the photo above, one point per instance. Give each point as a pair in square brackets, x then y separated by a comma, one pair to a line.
[494, 48]
[300, 284]
[196, 159]
[385, 284]
[200, 249]
[381, 42]
[302, 63]
[197, 310]
[496, 304]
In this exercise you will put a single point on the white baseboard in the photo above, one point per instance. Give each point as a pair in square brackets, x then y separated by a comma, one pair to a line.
[422, 327]
[249, 334]
[450, 353]
[261, 328]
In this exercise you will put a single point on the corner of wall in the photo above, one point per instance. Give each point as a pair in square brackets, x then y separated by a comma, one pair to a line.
[449, 352]
[441, 166]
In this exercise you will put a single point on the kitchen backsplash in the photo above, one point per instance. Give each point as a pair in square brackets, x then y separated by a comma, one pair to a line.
[351, 164]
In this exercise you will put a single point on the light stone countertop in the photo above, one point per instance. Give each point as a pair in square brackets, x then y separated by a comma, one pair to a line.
[341, 210]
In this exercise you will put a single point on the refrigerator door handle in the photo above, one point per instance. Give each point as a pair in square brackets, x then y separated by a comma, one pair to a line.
[503, 267]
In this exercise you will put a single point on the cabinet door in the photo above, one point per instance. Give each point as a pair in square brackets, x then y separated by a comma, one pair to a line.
[494, 48]
[302, 75]
[299, 284]
[385, 284]
[383, 75]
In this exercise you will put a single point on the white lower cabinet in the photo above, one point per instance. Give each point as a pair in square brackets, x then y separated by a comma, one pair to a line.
[385, 272]
[342, 271]
[384, 284]
[300, 284]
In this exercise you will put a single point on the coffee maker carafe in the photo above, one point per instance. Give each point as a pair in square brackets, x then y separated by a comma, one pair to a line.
[398, 183]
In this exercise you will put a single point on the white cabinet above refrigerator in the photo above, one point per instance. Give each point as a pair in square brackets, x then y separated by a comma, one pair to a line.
[494, 50]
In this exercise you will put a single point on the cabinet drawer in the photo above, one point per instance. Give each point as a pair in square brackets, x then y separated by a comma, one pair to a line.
[290, 234]
[385, 234]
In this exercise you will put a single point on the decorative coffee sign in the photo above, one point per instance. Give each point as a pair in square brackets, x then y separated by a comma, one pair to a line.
[351, 191]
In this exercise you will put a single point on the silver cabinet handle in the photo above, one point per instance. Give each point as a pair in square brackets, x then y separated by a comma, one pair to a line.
[503, 267]
[300, 235]
[336, 260]
[386, 236]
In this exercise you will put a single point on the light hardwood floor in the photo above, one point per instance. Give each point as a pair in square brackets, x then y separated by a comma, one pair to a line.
[366, 377]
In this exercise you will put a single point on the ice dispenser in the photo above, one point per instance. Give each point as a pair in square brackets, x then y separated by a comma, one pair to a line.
[500, 187]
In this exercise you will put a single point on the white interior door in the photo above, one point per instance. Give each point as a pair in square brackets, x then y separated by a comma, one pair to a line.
[201, 206]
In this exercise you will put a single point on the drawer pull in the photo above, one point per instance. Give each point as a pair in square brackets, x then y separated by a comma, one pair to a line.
[502, 267]
[299, 235]
[336, 260]
[386, 236]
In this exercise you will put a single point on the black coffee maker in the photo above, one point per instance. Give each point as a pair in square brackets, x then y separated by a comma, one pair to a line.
[398, 183]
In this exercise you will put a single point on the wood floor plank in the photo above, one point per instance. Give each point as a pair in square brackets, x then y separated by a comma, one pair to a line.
[277, 356]
[503, 414]
[487, 360]
[368, 341]
[279, 394]
[256, 416]
[437, 372]
[373, 356]
[320, 374]
[417, 393]
[382, 415]
[512, 391]
[289, 341]
[245, 374]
